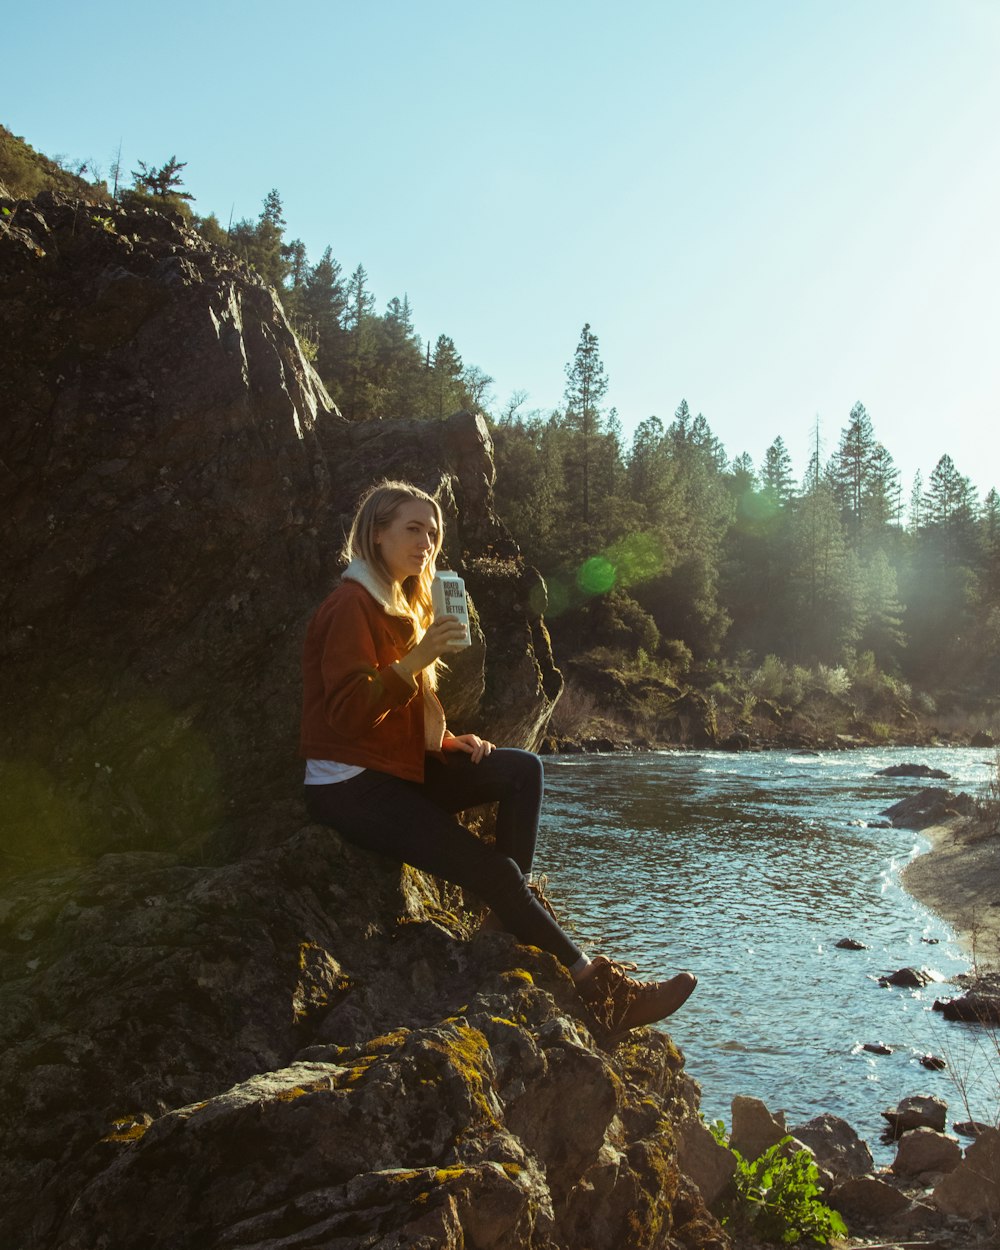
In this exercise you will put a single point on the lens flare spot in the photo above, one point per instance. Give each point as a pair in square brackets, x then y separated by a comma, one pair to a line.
[637, 558]
[758, 506]
[596, 575]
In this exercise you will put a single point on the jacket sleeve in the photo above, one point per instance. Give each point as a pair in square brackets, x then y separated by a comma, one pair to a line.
[360, 686]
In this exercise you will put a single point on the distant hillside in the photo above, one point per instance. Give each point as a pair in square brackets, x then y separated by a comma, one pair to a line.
[24, 172]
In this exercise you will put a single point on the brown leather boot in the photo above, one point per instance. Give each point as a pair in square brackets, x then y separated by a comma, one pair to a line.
[619, 1002]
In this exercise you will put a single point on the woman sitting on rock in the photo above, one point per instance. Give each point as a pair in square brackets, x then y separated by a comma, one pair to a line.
[383, 769]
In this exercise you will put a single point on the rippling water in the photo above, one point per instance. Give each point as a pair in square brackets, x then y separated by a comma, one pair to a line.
[748, 869]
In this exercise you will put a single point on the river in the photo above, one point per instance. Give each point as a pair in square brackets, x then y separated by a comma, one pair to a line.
[748, 869]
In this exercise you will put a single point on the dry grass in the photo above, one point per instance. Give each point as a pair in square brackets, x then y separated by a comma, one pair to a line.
[575, 713]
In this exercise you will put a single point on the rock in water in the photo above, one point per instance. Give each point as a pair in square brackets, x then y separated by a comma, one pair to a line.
[911, 978]
[912, 770]
[918, 1111]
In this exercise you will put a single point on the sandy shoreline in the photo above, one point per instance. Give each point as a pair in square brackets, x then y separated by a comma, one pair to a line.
[959, 878]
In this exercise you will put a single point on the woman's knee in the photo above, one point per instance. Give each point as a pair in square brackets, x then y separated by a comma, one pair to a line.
[522, 768]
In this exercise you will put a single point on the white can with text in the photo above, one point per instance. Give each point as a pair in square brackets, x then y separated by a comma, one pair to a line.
[449, 599]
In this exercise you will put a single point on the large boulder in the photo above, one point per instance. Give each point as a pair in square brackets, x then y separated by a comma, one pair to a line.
[175, 484]
[710, 1165]
[835, 1146]
[867, 1200]
[923, 1151]
[755, 1128]
[972, 1189]
[916, 1111]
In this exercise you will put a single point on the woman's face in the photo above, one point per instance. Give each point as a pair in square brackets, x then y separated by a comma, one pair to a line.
[409, 540]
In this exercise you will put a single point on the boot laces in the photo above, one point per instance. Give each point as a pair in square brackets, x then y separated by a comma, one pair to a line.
[618, 991]
[619, 969]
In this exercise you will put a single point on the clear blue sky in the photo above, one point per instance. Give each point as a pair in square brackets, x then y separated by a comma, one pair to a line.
[771, 208]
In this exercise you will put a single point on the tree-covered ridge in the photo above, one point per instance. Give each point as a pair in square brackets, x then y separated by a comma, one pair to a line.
[666, 543]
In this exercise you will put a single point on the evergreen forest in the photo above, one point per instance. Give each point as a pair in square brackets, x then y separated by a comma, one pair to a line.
[663, 554]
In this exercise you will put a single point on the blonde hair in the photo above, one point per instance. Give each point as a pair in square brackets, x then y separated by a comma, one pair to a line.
[376, 509]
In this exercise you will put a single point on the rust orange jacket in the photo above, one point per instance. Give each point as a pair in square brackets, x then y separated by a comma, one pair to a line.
[356, 708]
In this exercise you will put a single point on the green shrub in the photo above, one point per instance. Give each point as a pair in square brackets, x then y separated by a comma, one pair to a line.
[777, 1196]
[834, 681]
[677, 654]
[768, 680]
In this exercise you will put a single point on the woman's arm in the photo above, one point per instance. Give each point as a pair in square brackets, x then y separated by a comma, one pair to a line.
[357, 654]
[368, 667]
[437, 641]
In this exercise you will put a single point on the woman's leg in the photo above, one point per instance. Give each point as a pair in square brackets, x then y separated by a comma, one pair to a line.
[507, 776]
[398, 819]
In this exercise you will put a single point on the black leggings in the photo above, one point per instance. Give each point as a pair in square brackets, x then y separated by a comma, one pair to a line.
[414, 823]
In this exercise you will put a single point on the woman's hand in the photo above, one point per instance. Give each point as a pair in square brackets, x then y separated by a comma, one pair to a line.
[439, 640]
[476, 747]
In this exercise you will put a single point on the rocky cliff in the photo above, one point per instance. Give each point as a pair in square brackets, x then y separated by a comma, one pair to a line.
[220, 1026]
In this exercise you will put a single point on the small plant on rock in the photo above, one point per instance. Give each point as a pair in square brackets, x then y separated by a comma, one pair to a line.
[777, 1197]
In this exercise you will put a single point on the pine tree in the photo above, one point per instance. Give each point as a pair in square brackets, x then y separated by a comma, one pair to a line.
[322, 305]
[883, 502]
[446, 389]
[950, 510]
[401, 369]
[941, 584]
[586, 384]
[917, 502]
[679, 431]
[852, 467]
[528, 487]
[881, 630]
[648, 467]
[259, 243]
[776, 475]
[824, 581]
[743, 474]
[699, 509]
[164, 183]
[273, 211]
[708, 446]
[360, 304]
[297, 268]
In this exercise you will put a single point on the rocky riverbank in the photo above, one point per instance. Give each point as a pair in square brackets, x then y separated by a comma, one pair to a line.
[942, 1189]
